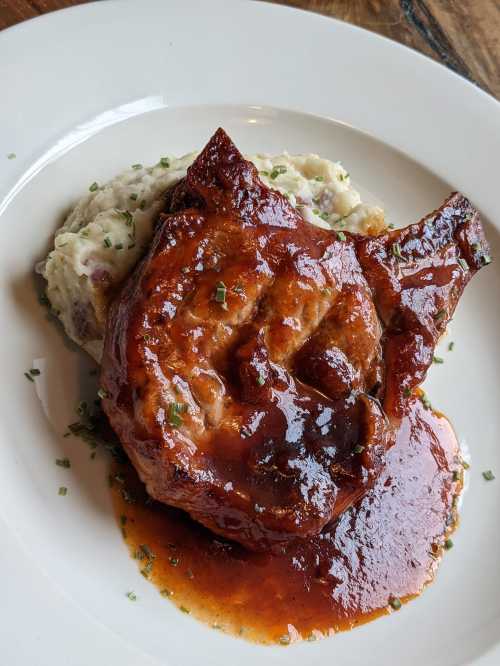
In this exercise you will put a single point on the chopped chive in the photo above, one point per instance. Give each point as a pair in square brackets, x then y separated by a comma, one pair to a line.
[448, 544]
[437, 359]
[264, 173]
[343, 176]
[43, 300]
[324, 216]
[84, 233]
[63, 490]
[166, 593]
[456, 475]
[127, 216]
[278, 170]
[395, 603]
[165, 162]
[131, 246]
[174, 561]
[142, 205]
[185, 270]
[63, 462]
[94, 187]
[488, 475]
[359, 448]
[319, 179]
[440, 315]
[260, 380]
[28, 376]
[119, 246]
[34, 372]
[147, 569]
[132, 596]
[407, 392]
[136, 166]
[183, 609]
[396, 251]
[316, 211]
[463, 264]
[81, 408]
[285, 639]
[102, 393]
[391, 226]
[451, 346]
[107, 242]
[175, 409]
[147, 551]
[220, 293]
[425, 401]
[134, 196]
[465, 464]
[11, 156]
[341, 235]
[486, 259]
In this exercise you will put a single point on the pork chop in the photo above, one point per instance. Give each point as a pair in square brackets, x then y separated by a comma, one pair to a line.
[255, 366]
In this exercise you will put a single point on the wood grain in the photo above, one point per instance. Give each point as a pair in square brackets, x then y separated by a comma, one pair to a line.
[462, 34]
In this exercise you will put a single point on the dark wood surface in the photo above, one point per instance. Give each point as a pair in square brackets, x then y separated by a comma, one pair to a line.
[462, 34]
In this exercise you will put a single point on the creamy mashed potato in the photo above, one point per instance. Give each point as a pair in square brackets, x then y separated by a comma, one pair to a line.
[110, 228]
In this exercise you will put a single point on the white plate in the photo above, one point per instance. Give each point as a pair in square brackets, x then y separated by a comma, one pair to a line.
[90, 90]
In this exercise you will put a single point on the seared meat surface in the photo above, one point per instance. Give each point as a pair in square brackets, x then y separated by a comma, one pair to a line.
[255, 365]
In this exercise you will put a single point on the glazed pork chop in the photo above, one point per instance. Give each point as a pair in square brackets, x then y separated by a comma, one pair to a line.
[255, 366]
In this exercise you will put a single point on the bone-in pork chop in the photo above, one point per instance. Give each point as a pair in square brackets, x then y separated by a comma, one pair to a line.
[255, 365]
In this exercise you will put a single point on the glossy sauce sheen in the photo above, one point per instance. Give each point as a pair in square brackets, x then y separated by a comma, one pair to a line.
[386, 547]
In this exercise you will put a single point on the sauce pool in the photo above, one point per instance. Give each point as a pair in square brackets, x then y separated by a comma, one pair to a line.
[379, 554]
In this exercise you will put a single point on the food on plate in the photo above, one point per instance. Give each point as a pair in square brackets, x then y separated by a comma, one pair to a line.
[109, 229]
[261, 367]
[246, 370]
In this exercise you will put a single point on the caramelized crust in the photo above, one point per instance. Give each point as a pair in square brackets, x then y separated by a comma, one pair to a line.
[245, 357]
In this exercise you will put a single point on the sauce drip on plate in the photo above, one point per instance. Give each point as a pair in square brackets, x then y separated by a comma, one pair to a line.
[379, 554]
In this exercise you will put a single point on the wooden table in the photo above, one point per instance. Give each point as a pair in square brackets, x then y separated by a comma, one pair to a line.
[462, 34]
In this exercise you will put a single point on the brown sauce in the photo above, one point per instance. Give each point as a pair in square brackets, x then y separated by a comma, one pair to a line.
[385, 549]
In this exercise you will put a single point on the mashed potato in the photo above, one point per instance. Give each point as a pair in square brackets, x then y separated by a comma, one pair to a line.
[110, 228]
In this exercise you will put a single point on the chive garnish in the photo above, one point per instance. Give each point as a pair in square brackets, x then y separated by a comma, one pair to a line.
[465, 464]
[119, 246]
[395, 603]
[488, 475]
[319, 179]
[285, 639]
[451, 346]
[165, 592]
[174, 561]
[324, 216]
[107, 242]
[425, 401]
[486, 259]
[260, 380]
[94, 187]
[132, 596]
[102, 393]
[264, 173]
[440, 315]
[359, 448]
[463, 264]
[448, 544]
[134, 196]
[136, 166]
[127, 216]
[407, 392]
[28, 376]
[341, 235]
[11, 156]
[437, 359]
[34, 372]
[183, 609]
[396, 251]
[63, 490]
[142, 205]
[277, 171]
[165, 162]
[456, 475]
[220, 293]
[391, 226]
[175, 409]
[63, 462]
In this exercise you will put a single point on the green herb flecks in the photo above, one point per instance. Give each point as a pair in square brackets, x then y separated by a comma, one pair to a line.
[437, 359]
[107, 242]
[341, 235]
[136, 166]
[29, 377]
[166, 593]
[448, 544]
[488, 475]
[131, 595]
[102, 393]
[63, 462]
[395, 603]
[463, 264]
[425, 401]
[407, 392]
[127, 216]
[261, 380]
[174, 561]
[319, 179]
[134, 196]
[11, 156]
[175, 409]
[183, 609]
[165, 162]
[284, 640]
[94, 187]
[440, 315]
[396, 251]
[34, 372]
[220, 294]
[63, 491]
[278, 170]
[358, 449]
[451, 346]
